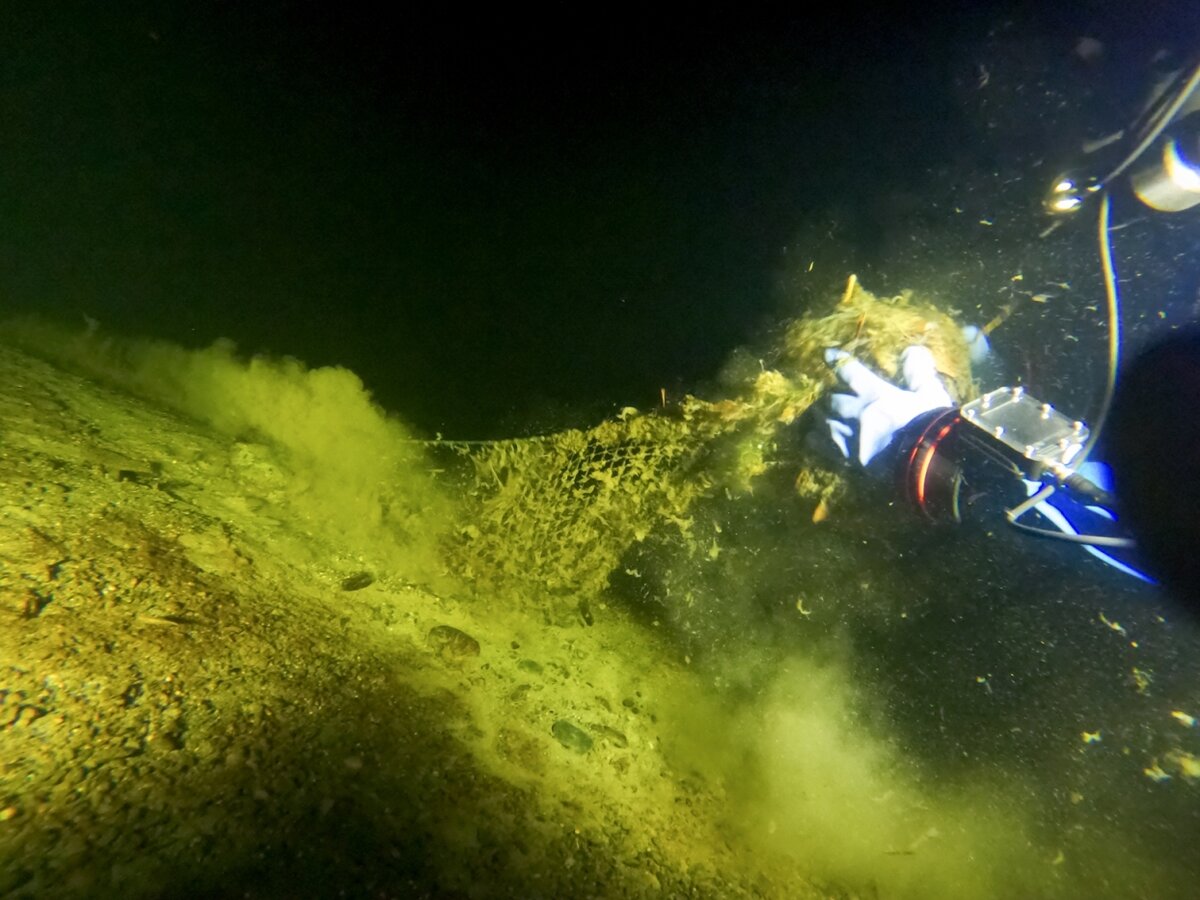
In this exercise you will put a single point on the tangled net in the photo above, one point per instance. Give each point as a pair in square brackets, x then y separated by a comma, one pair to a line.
[556, 513]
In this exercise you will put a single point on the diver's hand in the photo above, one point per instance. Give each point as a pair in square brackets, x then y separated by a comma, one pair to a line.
[877, 409]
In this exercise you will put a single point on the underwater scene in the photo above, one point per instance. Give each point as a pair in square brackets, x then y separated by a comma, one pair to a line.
[599, 454]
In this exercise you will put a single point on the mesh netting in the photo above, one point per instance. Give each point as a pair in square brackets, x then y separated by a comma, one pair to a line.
[557, 512]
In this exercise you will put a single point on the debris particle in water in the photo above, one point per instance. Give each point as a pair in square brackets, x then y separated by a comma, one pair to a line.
[1115, 626]
[1155, 773]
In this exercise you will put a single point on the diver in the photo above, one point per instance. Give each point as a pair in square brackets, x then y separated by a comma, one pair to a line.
[1009, 451]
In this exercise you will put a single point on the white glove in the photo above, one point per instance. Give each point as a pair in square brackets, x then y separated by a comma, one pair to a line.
[877, 407]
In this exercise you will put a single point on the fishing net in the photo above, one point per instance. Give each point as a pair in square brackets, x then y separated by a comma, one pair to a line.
[556, 513]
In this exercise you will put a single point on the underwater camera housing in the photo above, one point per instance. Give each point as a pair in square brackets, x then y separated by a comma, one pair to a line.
[994, 441]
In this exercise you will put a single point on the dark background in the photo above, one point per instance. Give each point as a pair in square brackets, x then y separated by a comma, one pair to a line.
[508, 220]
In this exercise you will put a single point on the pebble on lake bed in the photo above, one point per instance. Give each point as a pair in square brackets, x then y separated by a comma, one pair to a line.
[450, 644]
[571, 736]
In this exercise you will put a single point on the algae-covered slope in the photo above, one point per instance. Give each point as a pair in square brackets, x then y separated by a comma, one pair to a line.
[206, 688]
